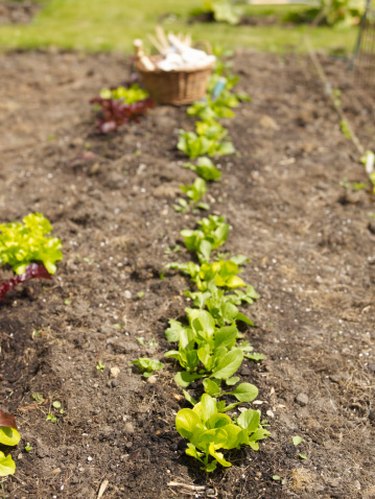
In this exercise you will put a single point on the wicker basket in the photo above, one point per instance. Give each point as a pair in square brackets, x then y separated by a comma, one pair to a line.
[175, 87]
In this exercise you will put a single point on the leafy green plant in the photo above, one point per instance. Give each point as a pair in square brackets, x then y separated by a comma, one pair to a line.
[210, 431]
[116, 107]
[208, 140]
[345, 129]
[220, 99]
[340, 12]
[9, 436]
[243, 392]
[55, 412]
[22, 243]
[147, 366]
[7, 465]
[128, 95]
[28, 447]
[221, 305]
[222, 11]
[27, 248]
[205, 169]
[297, 440]
[100, 366]
[51, 417]
[212, 233]
[206, 349]
[221, 274]
[195, 193]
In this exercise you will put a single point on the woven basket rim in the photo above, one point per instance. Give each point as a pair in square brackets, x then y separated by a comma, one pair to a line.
[141, 69]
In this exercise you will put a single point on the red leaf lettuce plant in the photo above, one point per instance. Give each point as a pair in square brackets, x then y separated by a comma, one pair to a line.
[119, 106]
[28, 249]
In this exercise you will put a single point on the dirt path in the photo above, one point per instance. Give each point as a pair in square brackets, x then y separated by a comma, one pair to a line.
[311, 245]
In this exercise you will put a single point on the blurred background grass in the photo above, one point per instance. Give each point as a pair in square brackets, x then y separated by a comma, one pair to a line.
[111, 25]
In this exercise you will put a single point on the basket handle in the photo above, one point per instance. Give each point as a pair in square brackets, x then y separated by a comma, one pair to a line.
[140, 56]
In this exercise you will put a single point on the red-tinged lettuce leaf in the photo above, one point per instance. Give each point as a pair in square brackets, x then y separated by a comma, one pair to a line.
[9, 435]
[33, 271]
[112, 114]
[7, 419]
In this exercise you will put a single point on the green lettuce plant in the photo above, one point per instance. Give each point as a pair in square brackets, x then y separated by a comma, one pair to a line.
[9, 436]
[128, 95]
[207, 140]
[210, 432]
[22, 243]
[194, 192]
[206, 349]
[212, 232]
[205, 169]
[220, 99]
[148, 366]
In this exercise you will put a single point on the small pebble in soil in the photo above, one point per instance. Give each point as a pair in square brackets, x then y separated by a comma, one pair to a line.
[129, 428]
[152, 380]
[113, 383]
[302, 399]
[105, 433]
[114, 372]
[127, 294]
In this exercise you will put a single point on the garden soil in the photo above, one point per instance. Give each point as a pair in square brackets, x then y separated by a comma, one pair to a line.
[311, 245]
[17, 12]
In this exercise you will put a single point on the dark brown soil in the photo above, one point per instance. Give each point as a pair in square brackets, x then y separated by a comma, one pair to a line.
[311, 245]
[20, 12]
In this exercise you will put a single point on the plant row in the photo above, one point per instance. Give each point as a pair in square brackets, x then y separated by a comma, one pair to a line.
[208, 345]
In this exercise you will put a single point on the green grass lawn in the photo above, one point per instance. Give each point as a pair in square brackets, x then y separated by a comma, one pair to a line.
[111, 25]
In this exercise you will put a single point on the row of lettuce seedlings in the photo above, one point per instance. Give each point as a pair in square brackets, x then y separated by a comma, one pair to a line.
[208, 346]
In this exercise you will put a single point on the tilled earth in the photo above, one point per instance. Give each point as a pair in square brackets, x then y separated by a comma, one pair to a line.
[17, 12]
[311, 245]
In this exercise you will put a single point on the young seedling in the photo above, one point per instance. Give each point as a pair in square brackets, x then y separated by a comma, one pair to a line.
[100, 366]
[221, 304]
[28, 447]
[55, 412]
[195, 193]
[147, 366]
[205, 169]
[208, 140]
[212, 233]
